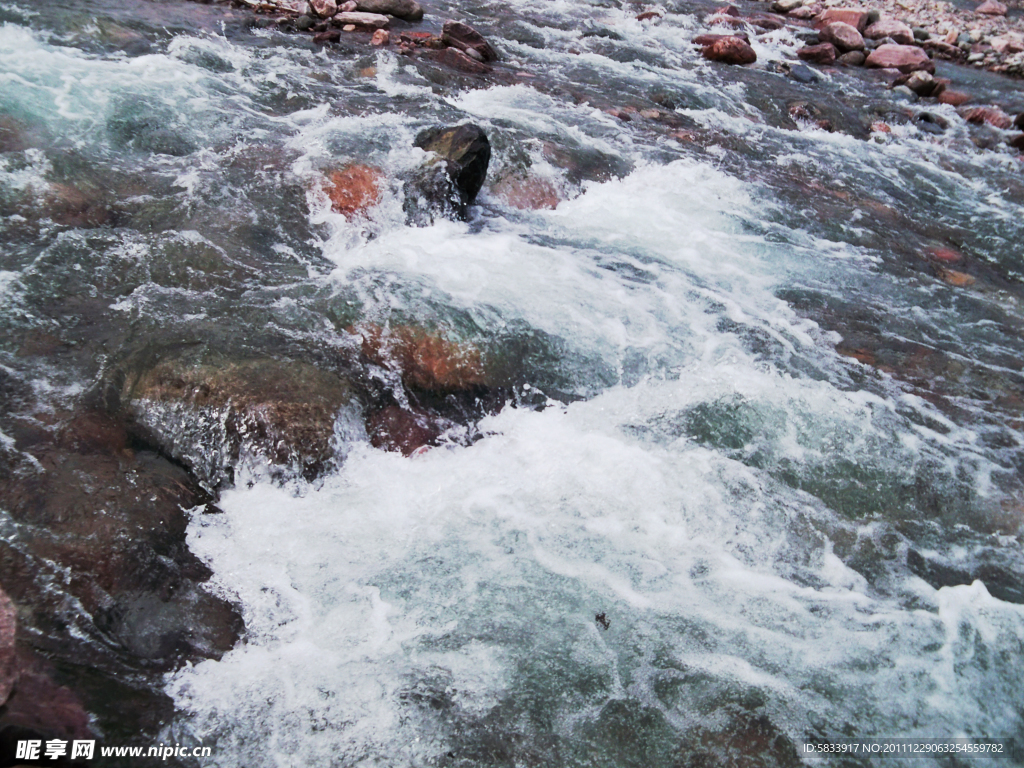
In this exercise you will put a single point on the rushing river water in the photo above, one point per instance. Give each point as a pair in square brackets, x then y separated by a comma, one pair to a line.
[749, 419]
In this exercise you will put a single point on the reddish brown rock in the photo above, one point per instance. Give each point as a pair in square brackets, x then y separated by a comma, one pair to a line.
[1017, 142]
[325, 9]
[400, 429]
[41, 707]
[991, 8]
[7, 668]
[456, 59]
[380, 37]
[730, 50]
[823, 53]
[994, 116]
[956, 279]
[709, 39]
[648, 15]
[896, 30]
[851, 59]
[943, 254]
[425, 360]
[12, 135]
[422, 40]
[954, 98]
[843, 36]
[905, 58]
[527, 192]
[75, 207]
[466, 39]
[354, 189]
[855, 17]
[805, 12]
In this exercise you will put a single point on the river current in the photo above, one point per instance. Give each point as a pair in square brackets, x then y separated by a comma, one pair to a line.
[752, 425]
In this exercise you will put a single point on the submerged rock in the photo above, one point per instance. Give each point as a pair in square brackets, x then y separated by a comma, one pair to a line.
[355, 188]
[212, 413]
[448, 183]
[406, 430]
[409, 10]
[425, 360]
[456, 59]
[463, 37]
[526, 192]
[730, 50]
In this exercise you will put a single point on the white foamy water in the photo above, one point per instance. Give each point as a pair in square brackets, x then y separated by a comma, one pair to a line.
[410, 607]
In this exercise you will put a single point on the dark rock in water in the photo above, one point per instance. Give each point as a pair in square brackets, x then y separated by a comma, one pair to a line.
[133, 126]
[7, 626]
[425, 360]
[464, 37]
[399, 429]
[1019, 121]
[75, 207]
[212, 412]
[327, 36]
[305, 23]
[456, 59]
[852, 59]
[1017, 142]
[803, 74]
[730, 50]
[921, 83]
[802, 110]
[448, 183]
[823, 53]
[409, 10]
[929, 122]
[590, 29]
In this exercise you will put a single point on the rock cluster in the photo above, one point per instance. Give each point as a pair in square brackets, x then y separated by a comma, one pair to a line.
[983, 37]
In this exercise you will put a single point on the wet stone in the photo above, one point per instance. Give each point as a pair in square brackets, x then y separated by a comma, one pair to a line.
[212, 412]
[823, 53]
[409, 10]
[730, 50]
[448, 183]
[463, 37]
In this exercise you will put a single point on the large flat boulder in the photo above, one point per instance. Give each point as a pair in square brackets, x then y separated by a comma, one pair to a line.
[905, 58]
